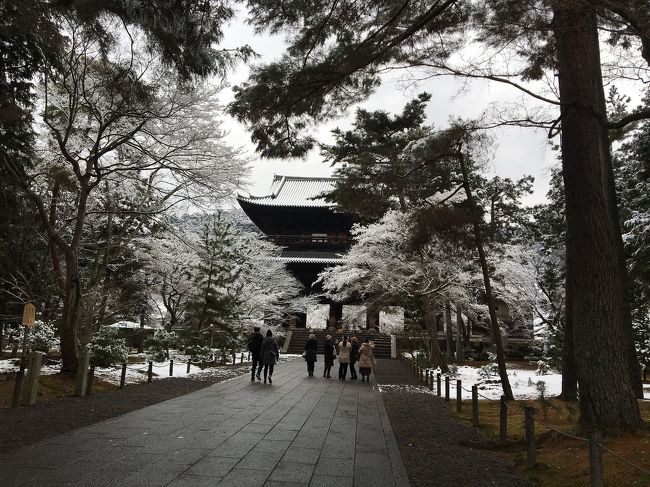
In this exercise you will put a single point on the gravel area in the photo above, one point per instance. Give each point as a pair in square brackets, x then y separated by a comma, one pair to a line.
[429, 438]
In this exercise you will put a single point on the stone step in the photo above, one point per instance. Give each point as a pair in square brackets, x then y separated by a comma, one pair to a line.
[301, 335]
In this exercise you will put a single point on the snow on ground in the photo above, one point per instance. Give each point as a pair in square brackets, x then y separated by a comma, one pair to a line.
[523, 382]
[136, 372]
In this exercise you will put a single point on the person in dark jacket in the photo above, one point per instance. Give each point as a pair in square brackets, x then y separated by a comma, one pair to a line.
[328, 356]
[311, 347]
[354, 351]
[270, 352]
[255, 348]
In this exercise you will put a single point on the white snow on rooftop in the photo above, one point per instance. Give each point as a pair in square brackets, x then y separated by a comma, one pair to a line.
[294, 191]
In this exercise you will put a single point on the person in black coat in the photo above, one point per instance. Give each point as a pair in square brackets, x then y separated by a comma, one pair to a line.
[270, 353]
[255, 348]
[354, 351]
[328, 356]
[311, 347]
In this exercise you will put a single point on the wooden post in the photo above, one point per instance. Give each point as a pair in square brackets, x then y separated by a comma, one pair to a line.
[33, 372]
[18, 385]
[188, 367]
[421, 374]
[431, 380]
[474, 405]
[242, 358]
[439, 389]
[82, 373]
[171, 368]
[446, 388]
[503, 421]
[233, 358]
[596, 474]
[123, 376]
[150, 372]
[529, 414]
[459, 396]
[91, 378]
[249, 357]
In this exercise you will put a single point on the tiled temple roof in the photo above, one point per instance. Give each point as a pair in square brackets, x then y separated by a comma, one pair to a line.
[294, 191]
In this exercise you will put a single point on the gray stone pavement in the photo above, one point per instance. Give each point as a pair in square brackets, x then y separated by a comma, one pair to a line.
[299, 431]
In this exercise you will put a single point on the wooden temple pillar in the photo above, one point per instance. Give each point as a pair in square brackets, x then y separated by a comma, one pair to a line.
[372, 318]
[335, 315]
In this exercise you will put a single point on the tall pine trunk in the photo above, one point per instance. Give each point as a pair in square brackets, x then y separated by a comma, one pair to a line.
[450, 333]
[430, 318]
[569, 372]
[596, 276]
[494, 322]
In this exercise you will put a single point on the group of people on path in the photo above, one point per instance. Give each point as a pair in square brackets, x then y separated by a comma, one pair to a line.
[349, 352]
[264, 352]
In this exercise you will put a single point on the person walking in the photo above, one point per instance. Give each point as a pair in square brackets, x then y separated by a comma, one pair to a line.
[344, 357]
[311, 347]
[354, 352]
[255, 348]
[270, 352]
[328, 351]
[366, 359]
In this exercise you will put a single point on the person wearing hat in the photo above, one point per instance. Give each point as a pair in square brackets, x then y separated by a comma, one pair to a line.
[328, 356]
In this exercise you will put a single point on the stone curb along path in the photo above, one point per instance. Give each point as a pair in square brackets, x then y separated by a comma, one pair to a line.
[300, 431]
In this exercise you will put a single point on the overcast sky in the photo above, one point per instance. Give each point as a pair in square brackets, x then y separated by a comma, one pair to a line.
[519, 151]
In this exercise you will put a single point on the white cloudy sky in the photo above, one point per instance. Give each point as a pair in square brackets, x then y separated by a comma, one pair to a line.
[519, 151]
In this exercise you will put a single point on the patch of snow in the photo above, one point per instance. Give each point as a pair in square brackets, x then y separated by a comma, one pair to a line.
[130, 325]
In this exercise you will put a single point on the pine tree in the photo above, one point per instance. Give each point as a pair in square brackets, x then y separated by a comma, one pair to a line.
[214, 312]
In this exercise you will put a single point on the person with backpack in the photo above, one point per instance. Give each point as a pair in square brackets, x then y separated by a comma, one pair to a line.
[255, 348]
[270, 353]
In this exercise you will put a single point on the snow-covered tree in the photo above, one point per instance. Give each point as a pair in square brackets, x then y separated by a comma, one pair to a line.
[387, 265]
[116, 116]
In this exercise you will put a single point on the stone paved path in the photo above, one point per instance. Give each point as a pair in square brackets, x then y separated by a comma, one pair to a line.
[300, 431]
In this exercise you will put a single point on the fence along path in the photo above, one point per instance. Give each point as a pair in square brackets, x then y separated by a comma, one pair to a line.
[299, 430]
[593, 442]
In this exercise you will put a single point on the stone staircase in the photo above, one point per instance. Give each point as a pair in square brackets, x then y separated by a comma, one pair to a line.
[300, 335]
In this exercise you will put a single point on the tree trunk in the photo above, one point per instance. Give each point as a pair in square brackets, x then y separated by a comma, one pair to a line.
[459, 336]
[450, 333]
[437, 358]
[569, 372]
[596, 277]
[496, 331]
[71, 315]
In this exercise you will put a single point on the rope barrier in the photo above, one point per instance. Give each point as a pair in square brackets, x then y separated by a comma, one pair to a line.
[552, 428]
[616, 455]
